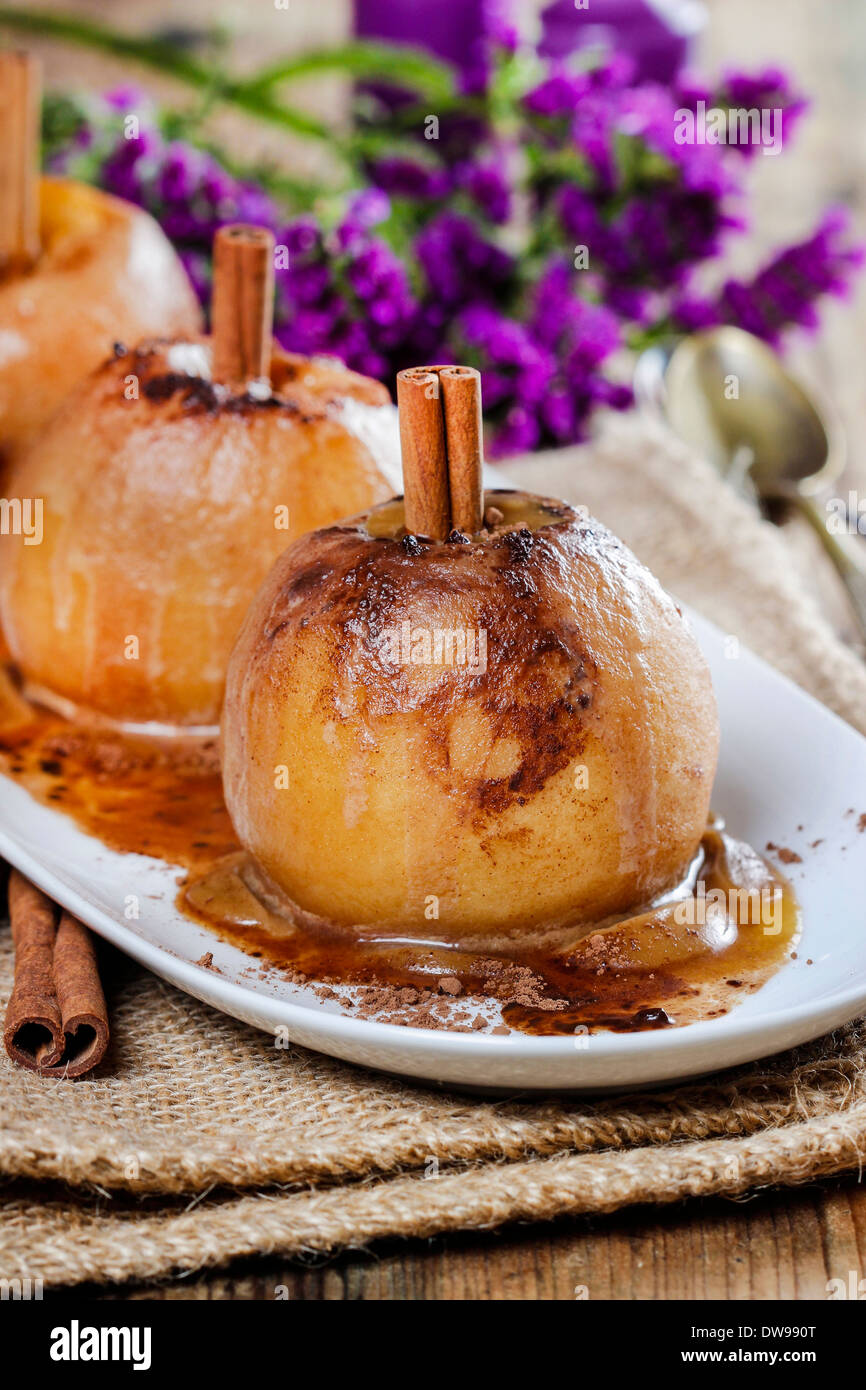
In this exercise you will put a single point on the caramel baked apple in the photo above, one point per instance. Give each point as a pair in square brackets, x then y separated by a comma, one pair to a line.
[79, 269]
[460, 717]
[172, 479]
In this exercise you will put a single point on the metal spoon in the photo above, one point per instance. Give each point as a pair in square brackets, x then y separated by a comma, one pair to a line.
[726, 393]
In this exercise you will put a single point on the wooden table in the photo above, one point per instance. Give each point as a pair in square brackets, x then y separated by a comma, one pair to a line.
[772, 1246]
[784, 1244]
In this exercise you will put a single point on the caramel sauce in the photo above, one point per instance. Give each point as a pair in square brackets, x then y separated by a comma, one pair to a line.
[138, 795]
[387, 520]
[673, 964]
[719, 936]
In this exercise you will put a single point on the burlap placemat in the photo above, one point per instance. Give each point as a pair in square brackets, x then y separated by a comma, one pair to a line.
[157, 1165]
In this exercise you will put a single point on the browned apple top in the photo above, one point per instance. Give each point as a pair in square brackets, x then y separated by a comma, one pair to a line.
[177, 375]
[363, 580]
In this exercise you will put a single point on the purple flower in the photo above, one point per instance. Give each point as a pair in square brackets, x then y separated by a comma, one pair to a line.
[694, 312]
[559, 95]
[767, 90]
[519, 432]
[465, 247]
[499, 36]
[179, 175]
[131, 164]
[409, 178]
[652, 239]
[582, 335]
[541, 379]
[458, 262]
[785, 291]
[301, 238]
[128, 99]
[198, 267]
[486, 183]
[348, 294]
[514, 364]
[560, 315]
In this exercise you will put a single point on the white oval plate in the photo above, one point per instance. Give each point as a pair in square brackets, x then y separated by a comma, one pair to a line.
[790, 772]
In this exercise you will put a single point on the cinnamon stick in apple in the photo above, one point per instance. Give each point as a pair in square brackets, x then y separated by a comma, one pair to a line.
[461, 396]
[425, 459]
[243, 305]
[56, 1019]
[20, 108]
[440, 438]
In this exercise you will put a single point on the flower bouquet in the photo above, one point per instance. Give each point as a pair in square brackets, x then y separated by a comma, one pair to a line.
[533, 215]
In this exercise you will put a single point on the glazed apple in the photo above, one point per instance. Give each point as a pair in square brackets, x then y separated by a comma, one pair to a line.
[167, 497]
[79, 270]
[162, 515]
[105, 273]
[477, 734]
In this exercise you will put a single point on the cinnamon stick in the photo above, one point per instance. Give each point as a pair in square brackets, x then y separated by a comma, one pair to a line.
[425, 459]
[20, 108]
[56, 1019]
[441, 441]
[461, 395]
[243, 305]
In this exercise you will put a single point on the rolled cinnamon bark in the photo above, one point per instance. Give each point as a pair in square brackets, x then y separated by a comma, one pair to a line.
[425, 460]
[33, 1032]
[56, 1019]
[20, 105]
[80, 996]
[441, 442]
[243, 305]
[461, 396]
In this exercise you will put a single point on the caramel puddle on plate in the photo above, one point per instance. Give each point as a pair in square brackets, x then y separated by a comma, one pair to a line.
[686, 958]
[138, 795]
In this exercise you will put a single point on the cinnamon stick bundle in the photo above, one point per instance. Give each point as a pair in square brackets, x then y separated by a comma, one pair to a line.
[442, 446]
[56, 1019]
[243, 305]
[20, 105]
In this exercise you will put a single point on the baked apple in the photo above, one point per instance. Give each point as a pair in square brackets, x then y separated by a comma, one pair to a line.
[168, 495]
[440, 732]
[79, 270]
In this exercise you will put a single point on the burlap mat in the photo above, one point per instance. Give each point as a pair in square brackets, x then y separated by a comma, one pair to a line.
[158, 1164]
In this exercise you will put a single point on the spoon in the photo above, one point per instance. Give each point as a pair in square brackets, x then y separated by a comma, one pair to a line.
[727, 394]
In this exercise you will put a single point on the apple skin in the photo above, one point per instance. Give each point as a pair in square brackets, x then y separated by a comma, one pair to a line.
[162, 515]
[569, 781]
[107, 273]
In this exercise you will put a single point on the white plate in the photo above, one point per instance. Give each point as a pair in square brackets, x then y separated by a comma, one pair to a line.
[790, 772]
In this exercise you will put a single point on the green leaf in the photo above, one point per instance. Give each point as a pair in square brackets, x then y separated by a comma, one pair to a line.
[165, 57]
[372, 62]
[62, 118]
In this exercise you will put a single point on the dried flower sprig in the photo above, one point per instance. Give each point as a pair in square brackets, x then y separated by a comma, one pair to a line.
[550, 220]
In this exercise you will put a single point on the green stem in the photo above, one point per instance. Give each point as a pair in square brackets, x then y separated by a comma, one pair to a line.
[166, 58]
[408, 67]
